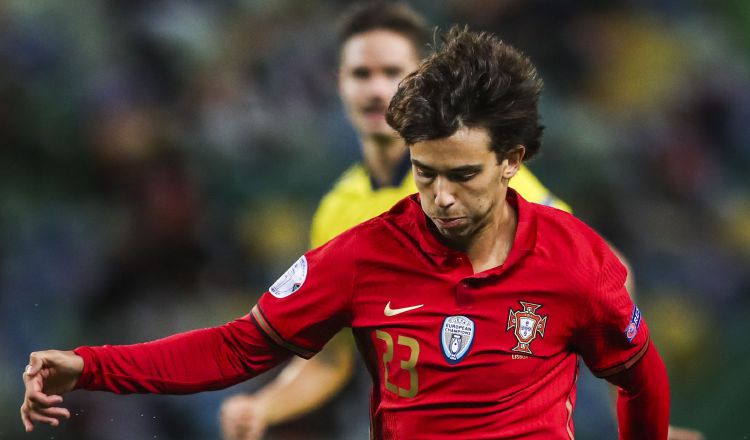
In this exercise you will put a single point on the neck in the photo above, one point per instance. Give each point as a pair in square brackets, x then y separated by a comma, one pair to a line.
[382, 156]
[491, 244]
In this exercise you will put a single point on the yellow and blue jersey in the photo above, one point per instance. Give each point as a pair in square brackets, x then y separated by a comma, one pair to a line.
[354, 199]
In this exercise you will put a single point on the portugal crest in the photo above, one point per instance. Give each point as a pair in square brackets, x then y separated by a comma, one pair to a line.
[456, 337]
[526, 324]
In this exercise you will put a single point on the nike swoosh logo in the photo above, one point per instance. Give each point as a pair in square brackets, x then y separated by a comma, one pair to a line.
[393, 312]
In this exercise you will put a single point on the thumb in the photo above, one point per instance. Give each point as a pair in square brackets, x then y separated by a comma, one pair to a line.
[36, 363]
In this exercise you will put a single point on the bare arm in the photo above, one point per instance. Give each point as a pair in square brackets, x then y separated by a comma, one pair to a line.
[308, 384]
[303, 386]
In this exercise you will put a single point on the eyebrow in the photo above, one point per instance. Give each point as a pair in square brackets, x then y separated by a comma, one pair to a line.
[461, 169]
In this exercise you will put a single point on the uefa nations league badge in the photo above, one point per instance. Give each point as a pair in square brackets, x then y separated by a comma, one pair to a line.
[456, 337]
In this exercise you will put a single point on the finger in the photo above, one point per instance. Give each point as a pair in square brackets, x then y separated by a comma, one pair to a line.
[255, 433]
[259, 429]
[677, 433]
[686, 436]
[35, 364]
[56, 412]
[231, 406]
[27, 424]
[39, 399]
[231, 421]
[33, 384]
[233, 434]
[241, 432]
[36, 417]
[229, 430]
[225, 427]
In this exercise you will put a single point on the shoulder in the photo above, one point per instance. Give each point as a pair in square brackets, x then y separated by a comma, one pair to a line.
[558, 224]
[353, 179]
[327, 221]
[352, 201]
[584, 254]
[362, 242]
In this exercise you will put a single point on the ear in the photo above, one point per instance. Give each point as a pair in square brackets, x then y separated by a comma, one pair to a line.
[513, 160]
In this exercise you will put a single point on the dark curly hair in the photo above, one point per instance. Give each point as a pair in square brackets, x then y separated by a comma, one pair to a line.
[387, 15]
[474, 80]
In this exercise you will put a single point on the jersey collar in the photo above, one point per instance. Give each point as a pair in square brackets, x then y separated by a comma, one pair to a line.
[422, 231]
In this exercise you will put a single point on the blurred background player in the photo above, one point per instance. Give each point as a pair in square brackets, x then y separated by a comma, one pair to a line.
[380, 43]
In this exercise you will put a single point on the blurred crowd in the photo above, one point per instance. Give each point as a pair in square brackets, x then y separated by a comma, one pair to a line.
[160, 161]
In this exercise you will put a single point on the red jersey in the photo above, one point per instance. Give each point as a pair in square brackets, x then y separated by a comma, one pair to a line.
[458, 354]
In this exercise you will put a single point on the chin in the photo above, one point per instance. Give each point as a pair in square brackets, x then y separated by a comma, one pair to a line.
[455, 235]
[382, 136]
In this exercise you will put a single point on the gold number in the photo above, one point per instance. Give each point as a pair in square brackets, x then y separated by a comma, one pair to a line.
[387, 357]
[409, 365]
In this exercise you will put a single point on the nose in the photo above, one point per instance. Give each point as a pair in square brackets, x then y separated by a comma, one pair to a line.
[381, 87]
[444, 196]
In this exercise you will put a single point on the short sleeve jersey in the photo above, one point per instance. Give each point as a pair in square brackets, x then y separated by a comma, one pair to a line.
[353, 200]
[458, 354]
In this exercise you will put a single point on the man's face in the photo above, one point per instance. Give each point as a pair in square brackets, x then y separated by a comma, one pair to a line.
[372, 64]
[461, 184]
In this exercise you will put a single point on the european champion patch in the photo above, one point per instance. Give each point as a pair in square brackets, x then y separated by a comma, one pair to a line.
[456, 337]
[634, 324]
[292, 279]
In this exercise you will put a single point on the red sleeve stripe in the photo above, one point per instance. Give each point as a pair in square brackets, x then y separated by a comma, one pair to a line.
[625, 365]
[266, 327]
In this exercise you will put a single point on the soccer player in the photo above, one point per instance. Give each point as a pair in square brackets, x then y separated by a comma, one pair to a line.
[469, 305]
[381, 42]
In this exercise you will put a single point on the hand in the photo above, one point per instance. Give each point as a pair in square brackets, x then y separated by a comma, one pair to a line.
[677, 433]
[243, 418]
[49, 374]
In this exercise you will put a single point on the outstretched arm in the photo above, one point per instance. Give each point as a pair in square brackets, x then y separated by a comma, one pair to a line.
[303, 386]
[189, 362]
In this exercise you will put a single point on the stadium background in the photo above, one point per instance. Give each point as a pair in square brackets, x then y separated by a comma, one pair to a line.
[160, 161]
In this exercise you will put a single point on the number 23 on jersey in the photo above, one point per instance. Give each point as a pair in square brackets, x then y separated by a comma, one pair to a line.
[408, 364]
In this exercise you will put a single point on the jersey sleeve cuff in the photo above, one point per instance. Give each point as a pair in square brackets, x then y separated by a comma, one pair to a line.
[625, 365]
[259, 318]
[90, 367]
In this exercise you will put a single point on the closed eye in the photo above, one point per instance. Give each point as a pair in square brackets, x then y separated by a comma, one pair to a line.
[462, 177]
[427, 174]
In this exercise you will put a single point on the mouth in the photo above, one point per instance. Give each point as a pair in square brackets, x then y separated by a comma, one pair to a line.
[449, 222]
[374, 110]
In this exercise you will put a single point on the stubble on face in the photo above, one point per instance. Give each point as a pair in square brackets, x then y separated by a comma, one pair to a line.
[461, 184]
